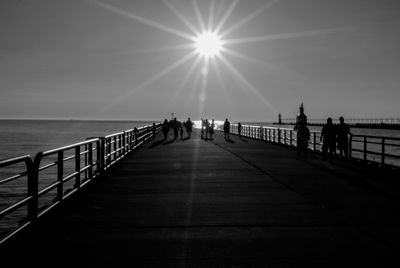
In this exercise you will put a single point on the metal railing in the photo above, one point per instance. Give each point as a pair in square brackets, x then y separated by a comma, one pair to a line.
[384, 151]
[54, 175]
[26, 200]
[380, 150]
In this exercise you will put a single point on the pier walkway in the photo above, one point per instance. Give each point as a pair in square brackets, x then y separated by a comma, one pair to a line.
[197, 203]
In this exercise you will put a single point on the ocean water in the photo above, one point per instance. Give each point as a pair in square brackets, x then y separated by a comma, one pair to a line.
[22, 137]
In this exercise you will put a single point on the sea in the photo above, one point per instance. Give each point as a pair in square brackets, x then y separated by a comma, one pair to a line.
[28, 137]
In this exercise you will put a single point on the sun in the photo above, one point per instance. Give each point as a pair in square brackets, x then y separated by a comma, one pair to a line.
[208, 44]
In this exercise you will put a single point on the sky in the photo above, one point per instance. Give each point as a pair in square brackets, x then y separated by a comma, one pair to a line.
[136, 60]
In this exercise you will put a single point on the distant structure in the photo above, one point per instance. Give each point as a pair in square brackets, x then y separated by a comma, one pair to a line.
[301, 116]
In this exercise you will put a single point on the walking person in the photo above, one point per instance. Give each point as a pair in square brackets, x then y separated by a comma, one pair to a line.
[189, 126]
[181, 124]
[227, 126]
[328, 138]
[303, 137]
[165, 128]
[342, 132]
[207, 128]
[240, 130]
[211, 129]
[175, 127]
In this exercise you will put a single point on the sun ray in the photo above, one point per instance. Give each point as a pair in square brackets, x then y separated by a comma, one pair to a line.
[226, 16]
[271, 68]
[223, 87]
[238, 55]
[163, 49]
[189, 104]
[246, 83]
[152, 79]
[186, 78]
[204, 82]
[145, 21]
[283, 36]
[194, 30]
[249, 17]
[211, 15]
[199, 16]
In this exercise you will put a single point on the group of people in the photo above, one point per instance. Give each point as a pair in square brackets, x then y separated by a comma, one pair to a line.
[207, 128]
[331, 136]
[177, 128]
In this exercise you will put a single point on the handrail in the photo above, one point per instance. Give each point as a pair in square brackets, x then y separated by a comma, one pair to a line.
[56, 174]
[373, 149]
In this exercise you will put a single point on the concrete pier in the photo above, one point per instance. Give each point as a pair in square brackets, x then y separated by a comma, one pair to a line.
[218, 203]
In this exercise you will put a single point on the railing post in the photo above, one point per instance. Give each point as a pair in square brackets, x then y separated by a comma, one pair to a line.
[90, 160]
[78, 167]
[291, 138]
[279, 135]
[365, 148]
[315, 141]
[60, 175]
[108, 151]
[284, 137]
[33, 186]
[101, 153]
[350, 146]
[383, 152]
[136, 132]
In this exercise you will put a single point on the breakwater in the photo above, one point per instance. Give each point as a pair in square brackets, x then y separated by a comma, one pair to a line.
[383, 123]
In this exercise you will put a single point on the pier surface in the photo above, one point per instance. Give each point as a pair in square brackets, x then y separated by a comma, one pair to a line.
[197, 203]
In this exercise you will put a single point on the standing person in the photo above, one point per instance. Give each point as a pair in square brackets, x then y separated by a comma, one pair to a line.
[227, 127]
[202, 128]
[301, 116]
[211, 130]
[240, 130]
[342, 131]
[328, 138]
[188, 126]
[165, 128]
[303, 136]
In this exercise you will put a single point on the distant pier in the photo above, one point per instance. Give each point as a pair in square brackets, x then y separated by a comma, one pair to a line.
[383, 123]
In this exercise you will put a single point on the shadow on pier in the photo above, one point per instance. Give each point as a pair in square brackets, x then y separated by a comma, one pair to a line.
[199, 203]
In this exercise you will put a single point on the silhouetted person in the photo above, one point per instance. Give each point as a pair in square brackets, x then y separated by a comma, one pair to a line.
[303, 136]
[202, 127]
[240, 130]
[227, 127]
[207, 128]
[165, 128]
[342, 131]
[175, 127]
[189, 125]
[181, 124]
[328, 137]
[301, 116]
[154, 130]
[211, 129]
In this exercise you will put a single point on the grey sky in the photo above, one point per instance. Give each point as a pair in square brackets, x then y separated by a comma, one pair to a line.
[83, 60]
